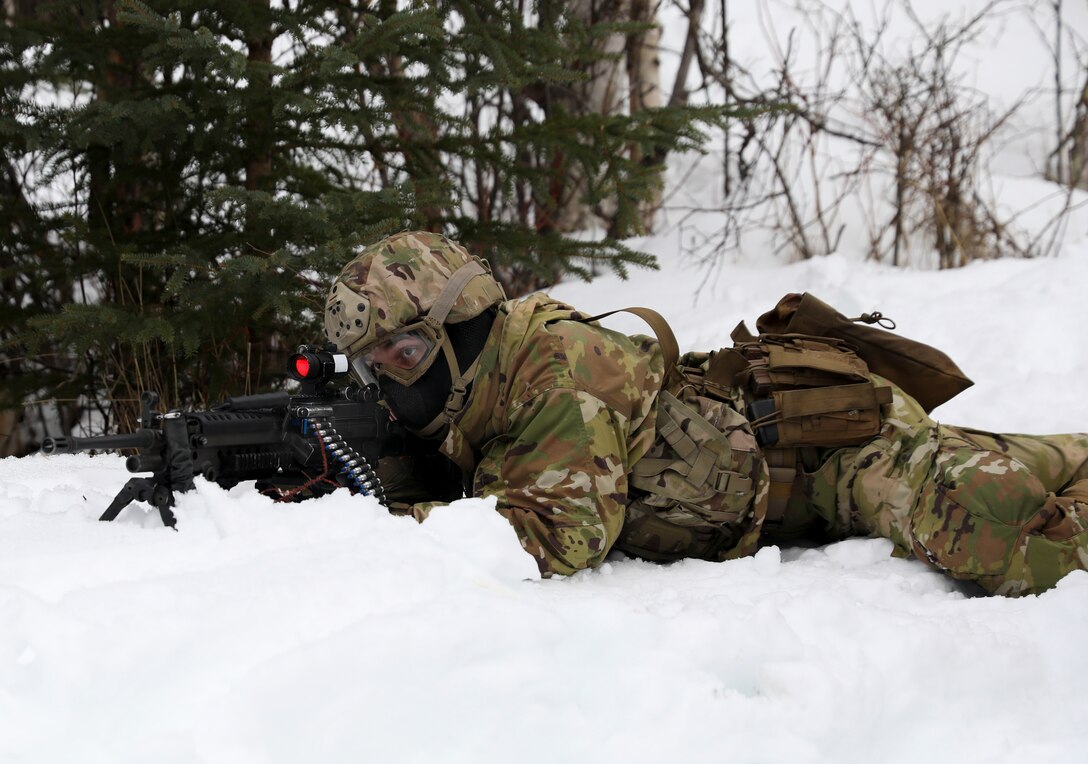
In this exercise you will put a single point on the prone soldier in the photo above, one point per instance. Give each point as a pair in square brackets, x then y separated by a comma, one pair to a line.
[591, 440]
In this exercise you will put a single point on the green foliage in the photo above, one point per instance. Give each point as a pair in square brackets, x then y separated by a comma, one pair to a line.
[182, 180]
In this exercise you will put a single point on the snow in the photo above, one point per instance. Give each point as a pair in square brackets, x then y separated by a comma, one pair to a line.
[331, 631]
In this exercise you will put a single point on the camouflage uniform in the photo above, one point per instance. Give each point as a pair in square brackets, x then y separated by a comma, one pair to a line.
[558, 411]
[561, 414]
[1007, 511]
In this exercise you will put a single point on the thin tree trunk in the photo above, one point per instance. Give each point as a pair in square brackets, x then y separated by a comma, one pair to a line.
[258, 130]
[1078, 150]
[604, 92]
[644, 87]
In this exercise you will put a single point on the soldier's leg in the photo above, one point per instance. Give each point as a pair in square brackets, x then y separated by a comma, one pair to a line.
[1058, 461]
[1056, 540]
[1010, 512]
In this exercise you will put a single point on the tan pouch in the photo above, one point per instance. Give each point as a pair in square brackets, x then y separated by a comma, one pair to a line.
[802, 391]
[923, 372]
[693, 494]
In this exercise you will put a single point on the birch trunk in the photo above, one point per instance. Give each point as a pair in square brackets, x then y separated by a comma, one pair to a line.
[644, 88]
[1078, 150]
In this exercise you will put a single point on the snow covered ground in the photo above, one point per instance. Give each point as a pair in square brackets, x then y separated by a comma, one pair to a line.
[331, 631]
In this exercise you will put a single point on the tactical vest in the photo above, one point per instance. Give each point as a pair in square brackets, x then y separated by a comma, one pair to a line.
[730, 423]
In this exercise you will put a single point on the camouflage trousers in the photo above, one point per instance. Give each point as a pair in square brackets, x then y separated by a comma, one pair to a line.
[1007, 511]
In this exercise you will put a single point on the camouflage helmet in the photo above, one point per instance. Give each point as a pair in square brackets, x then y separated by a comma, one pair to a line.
[399, 281]
[389, 309]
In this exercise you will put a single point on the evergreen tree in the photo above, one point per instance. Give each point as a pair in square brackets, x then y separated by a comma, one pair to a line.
[183, 180]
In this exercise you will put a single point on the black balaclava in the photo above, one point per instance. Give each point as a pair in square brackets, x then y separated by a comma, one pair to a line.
[416, 405]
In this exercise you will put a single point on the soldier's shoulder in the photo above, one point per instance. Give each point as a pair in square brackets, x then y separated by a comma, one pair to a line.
[563, 353]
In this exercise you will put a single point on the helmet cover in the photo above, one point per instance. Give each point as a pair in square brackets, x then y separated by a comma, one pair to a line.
[394, 283]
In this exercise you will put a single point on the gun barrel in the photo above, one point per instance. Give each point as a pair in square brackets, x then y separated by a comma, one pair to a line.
[70, 445]
[144, 463]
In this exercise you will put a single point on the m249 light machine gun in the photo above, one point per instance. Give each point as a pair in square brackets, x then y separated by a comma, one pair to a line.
[325, 437]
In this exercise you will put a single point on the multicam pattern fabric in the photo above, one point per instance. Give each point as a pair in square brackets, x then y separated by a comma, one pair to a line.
[561, 413]
[558, 413]
[394, 283]
[1007, 511]
[702, 489]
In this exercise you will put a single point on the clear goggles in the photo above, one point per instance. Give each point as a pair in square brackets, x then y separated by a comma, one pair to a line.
[404, 357]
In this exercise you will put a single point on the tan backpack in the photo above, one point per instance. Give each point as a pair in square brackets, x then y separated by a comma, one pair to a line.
[923, 372]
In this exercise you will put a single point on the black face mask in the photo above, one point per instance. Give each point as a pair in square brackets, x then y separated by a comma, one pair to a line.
[416, 405]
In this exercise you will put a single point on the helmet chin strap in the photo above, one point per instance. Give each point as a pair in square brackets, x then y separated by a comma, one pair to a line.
[436, 317]
[458, 391]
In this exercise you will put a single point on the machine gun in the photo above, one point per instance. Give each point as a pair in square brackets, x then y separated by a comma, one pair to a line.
[316, 441]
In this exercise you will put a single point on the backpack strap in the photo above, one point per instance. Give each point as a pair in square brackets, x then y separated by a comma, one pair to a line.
[782, 464]
[670, 349]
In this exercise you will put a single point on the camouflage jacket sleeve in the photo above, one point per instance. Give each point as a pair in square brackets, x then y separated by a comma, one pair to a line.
[559, 472]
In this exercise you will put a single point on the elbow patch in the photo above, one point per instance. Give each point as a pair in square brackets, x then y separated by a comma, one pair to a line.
[566, 549]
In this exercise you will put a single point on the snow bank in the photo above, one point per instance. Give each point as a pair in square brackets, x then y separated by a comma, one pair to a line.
[331, 631]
